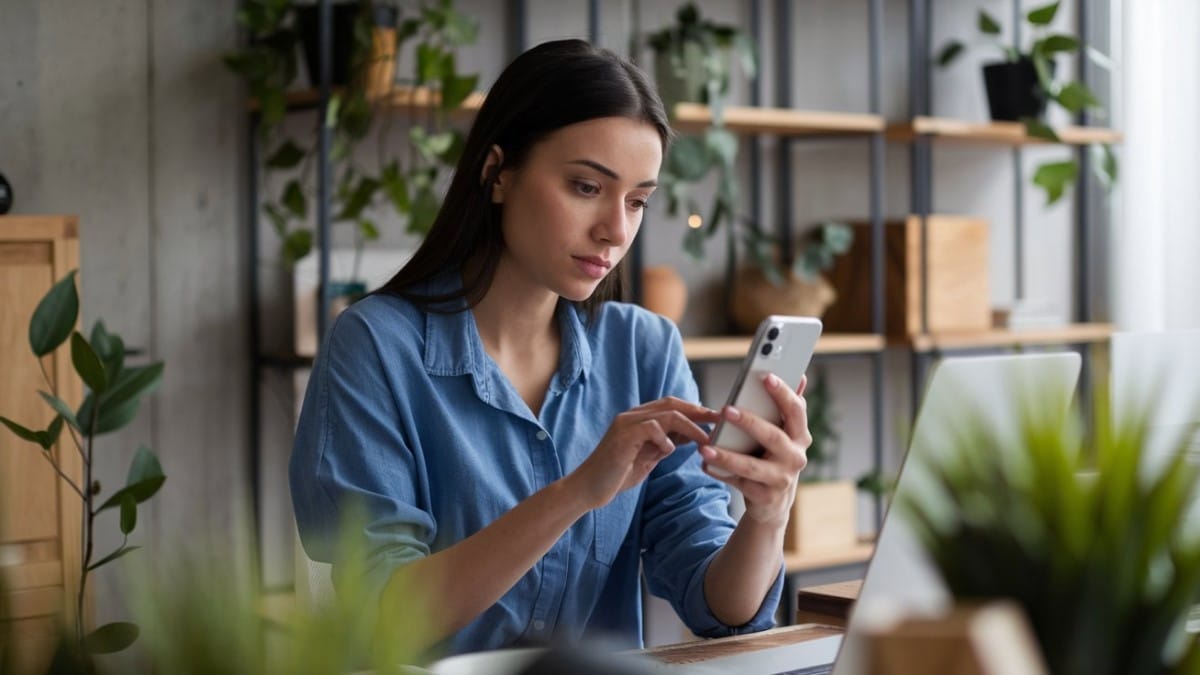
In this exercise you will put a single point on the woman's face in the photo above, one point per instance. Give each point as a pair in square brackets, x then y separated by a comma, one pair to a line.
[571, 210]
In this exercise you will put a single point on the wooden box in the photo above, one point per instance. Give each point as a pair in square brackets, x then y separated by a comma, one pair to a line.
[959, 294]
[824, 518]
[40, 516]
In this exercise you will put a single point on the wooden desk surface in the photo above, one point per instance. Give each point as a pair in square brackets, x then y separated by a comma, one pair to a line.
[703, 650]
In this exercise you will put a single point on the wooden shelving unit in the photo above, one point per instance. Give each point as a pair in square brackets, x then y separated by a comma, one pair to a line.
[779, 121]
[1080, 333]
[734, 347]
[803, 562]
[993, 133]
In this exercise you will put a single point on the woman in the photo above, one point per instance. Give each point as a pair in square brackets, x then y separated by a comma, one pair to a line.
[519, 442]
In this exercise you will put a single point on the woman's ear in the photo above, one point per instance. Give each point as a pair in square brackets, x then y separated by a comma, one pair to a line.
[491, 174]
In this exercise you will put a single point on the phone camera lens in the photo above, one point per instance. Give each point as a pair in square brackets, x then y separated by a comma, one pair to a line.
[773, 333]
[766, 349]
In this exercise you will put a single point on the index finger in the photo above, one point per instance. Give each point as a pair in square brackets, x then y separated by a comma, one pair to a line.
[693, 411]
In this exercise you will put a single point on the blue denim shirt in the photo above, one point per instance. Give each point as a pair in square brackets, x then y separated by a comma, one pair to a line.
[408, 415]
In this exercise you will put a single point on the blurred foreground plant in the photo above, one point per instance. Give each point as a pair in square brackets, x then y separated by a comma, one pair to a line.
[114, 394]
[1087, 531]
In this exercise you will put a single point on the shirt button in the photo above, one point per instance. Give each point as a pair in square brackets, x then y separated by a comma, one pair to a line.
[542, 435]
[539, 624]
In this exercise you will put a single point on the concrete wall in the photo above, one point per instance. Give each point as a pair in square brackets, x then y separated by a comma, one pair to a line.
[120, 111]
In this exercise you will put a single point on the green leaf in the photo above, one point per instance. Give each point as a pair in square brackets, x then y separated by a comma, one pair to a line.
[1076, 97]
[112, 418]
[60, 406]
[286, 156]
[128, 513]
[453, 153]
[722, 144]
[429, 64]
[424, 211]
[54, 431]
[55, 316]
[359, 198]
[293, 199]
[277, 217]
[111, 637]
[408, 28]
[1042, 16]
[109, 347]
[21, 431]
[368, 230]
[297, 245]
[950, 52]
[988, 25]
[1036, 128]
[87, 364]
[133, 383]
[1057, 43]
[121, 552]
[395, 187]
[1053, 177]
[143, 481]
[688, 158]
[456, 89]
[1104, 163]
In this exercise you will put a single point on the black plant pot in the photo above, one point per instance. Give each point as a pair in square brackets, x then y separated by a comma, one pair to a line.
[342, 47]
[1013, 91]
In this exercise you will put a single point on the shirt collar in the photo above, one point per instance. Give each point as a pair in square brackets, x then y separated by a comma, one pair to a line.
[453, 346]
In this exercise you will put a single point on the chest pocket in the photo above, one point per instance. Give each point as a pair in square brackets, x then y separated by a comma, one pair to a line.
[612, 523]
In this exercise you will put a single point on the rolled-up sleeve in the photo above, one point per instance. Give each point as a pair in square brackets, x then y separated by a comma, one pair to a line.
[352, 462]
[686, 521]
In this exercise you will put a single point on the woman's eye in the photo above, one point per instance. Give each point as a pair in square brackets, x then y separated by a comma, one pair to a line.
[586, 188]
[640, 204]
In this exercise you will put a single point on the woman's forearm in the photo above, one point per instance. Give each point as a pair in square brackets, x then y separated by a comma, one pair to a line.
[743, 571]
[473, 574]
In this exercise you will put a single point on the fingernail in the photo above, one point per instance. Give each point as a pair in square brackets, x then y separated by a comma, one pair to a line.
[732, 413]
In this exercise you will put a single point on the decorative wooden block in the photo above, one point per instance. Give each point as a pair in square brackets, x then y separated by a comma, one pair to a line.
[992, 639]
[959, 296]
[824, 518]
[40, 516]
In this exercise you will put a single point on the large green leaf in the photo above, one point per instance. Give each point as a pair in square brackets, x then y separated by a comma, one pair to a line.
[109, 347]
[456, 89]
[55, 316]
[1042, 16]
[1053, 177]
[1036, 128]
[396, 187]
[950, 52]
[296, 245]
[109, 418]
[987, 25]
[688, 158]
[1076, 97]
[429, 63]
[143, 481]
[359, 198]
[133, 383]
[286, 156]
[293, 199]
[22, 432]
[722, 144]
[88, 364]
[1057, 43]
[111, 637]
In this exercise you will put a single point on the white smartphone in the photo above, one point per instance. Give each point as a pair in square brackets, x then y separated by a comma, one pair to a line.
[783, 345]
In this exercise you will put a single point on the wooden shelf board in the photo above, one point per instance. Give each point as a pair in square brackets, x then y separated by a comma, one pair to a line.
[730, 348]
[802, 562]
[995, 133]
[1001, 337]
[779, 121]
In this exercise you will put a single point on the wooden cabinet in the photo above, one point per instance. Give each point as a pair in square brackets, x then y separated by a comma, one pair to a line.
[40, 517]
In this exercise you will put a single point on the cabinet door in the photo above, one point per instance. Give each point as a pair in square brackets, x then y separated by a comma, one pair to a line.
[40, 516]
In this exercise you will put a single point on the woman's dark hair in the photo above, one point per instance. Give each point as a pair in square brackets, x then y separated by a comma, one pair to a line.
[551, 86]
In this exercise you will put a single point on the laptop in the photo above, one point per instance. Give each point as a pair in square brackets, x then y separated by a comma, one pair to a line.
[900, 579]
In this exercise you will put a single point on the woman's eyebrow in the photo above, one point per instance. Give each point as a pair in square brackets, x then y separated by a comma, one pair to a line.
[609, 172]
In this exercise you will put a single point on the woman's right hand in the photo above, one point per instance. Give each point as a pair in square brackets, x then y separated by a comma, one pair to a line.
[636, 441]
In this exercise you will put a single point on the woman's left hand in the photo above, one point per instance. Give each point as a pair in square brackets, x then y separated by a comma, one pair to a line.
[769, 481]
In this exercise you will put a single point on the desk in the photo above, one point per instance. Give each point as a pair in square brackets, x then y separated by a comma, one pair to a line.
[726, 651]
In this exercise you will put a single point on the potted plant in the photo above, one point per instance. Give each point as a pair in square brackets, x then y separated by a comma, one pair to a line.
[764, 287]
[1020, 87]
[268, 65]
[693, 61]
[1079, 526]
[114, 392]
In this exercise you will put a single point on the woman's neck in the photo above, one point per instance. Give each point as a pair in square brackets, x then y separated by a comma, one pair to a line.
[514, 316]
